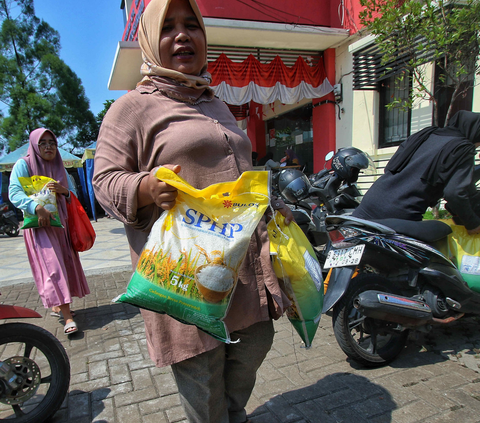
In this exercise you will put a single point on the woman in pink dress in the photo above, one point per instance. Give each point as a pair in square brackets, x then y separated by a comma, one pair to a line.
[55, 265]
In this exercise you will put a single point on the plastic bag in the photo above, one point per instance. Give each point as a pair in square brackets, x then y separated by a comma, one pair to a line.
[464, 250]
[81, 230]
[188, 267]
[299, 274]
[34, 187]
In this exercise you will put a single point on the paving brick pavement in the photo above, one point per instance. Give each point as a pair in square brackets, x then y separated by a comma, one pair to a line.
[436, 379]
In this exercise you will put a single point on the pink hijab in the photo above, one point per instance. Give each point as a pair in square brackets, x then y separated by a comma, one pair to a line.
[53, 169]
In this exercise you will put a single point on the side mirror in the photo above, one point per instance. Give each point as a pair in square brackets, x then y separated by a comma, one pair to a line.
[329, 156]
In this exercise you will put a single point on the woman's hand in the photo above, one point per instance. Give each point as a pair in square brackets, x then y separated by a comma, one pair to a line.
[44, 216]
[279, 205]
[153, 190]
[286, 212]
[56, 187]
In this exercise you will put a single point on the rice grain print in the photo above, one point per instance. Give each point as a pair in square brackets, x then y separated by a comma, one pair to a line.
[189, 266]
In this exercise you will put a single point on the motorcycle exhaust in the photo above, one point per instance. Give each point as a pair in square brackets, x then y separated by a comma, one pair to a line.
[393, 308]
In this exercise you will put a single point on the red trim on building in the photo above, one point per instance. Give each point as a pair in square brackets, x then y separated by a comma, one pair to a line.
[265, 74]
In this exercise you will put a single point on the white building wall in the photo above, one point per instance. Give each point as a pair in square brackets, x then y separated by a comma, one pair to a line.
[357, 125]
[422, 111]
[344, 111]
[476, 93]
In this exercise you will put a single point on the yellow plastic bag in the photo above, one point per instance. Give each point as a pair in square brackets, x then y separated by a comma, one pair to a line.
[188, 267]
[34, 187]
[300, 275]
[464, 251]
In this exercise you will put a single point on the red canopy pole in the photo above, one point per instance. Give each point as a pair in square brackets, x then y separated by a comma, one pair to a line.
[256, 128]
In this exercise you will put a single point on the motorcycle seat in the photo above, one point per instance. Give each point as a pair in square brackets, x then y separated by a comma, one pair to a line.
[428, 231]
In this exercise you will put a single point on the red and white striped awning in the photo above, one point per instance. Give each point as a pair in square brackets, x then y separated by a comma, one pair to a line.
[240, 83]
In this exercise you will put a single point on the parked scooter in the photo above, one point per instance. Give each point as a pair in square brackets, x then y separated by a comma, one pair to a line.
[388, 277]
[34, 369]
[332, 191]
[8, 221]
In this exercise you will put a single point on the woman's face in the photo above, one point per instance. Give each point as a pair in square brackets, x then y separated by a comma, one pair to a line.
[47, 146]
[182, 41]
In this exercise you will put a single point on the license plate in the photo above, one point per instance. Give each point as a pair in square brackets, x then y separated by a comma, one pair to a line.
[344, 257]
[9, 213]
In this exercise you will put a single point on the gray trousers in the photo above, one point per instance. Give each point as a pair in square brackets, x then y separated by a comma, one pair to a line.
[215, 386]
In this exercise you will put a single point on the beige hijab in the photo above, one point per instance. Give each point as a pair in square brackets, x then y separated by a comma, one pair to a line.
[151, 23]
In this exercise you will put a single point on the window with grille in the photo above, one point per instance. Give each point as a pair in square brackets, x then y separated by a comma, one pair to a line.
[394, 125]
[444, 91]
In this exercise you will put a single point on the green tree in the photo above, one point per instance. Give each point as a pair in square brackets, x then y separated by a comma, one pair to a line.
[101, 114]
[37, 88]
[416, 32]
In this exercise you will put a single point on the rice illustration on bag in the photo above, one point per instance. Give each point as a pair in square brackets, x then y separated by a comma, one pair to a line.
[34, 187]
[188, 268]
[214, 280]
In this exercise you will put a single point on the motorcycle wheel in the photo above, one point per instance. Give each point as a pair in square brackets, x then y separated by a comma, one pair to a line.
[12, 230]
[370, 342]
[42, 368]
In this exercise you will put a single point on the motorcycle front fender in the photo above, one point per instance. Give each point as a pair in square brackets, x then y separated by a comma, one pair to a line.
[337, 286]
[15, 312]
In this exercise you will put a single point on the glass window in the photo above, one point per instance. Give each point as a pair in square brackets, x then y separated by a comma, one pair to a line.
[443, 93]
[394, 122]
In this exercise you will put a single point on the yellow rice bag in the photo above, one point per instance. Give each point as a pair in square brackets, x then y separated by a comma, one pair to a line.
[188, 268]
[300, 275]
[464, 250]
[34, 187]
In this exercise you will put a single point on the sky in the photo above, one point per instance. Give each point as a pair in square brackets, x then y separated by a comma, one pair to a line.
[89, 33]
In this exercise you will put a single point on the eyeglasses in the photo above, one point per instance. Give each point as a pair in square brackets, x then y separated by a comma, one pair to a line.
[51, 144]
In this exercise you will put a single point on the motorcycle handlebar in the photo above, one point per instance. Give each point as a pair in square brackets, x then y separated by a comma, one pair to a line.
[316, 191]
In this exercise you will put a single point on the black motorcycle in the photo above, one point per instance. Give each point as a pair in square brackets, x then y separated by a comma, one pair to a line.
[333, 191]
[8, 221]
[388, 277]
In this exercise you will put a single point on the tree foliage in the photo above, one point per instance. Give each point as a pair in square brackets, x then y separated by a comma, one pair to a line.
[102, 113]
[37, 88]
[420, 31]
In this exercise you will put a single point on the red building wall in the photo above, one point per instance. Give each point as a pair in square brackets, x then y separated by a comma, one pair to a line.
[328, 13]
[303, 12]
[349, 16]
